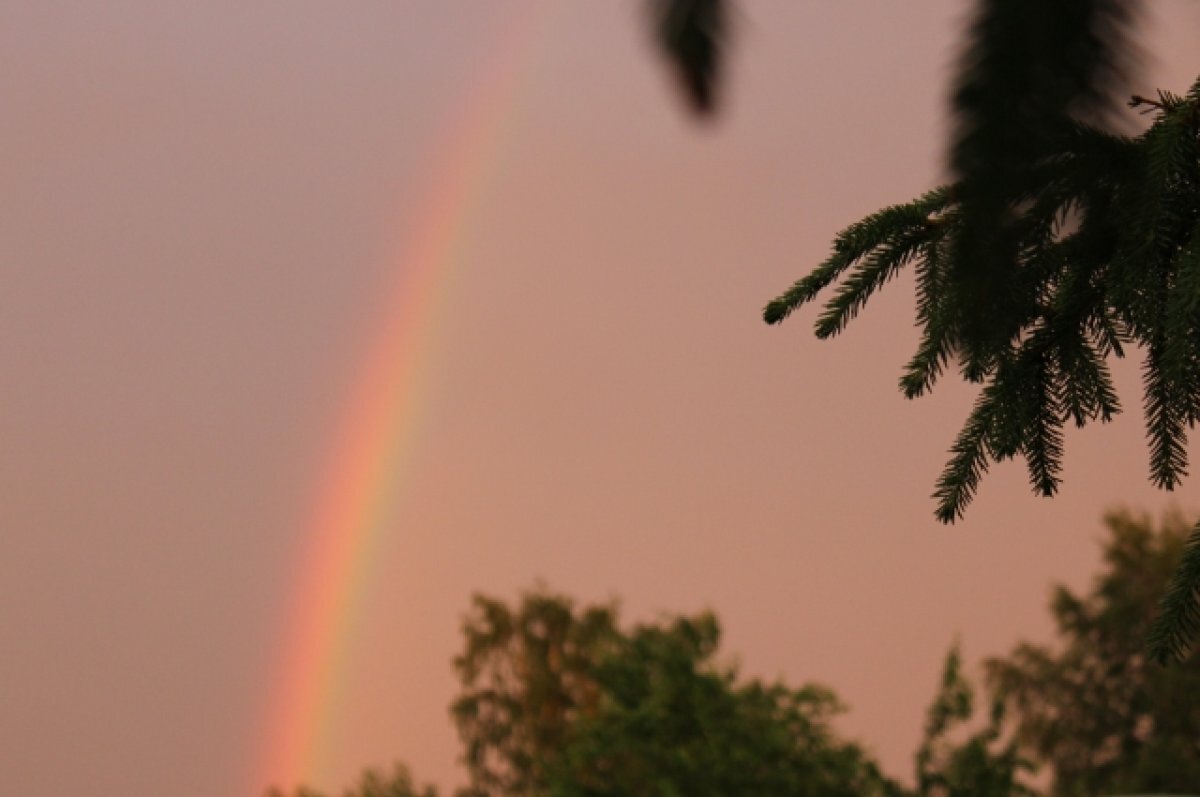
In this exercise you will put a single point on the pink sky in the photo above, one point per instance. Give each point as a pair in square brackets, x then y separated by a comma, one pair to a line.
[198, 209]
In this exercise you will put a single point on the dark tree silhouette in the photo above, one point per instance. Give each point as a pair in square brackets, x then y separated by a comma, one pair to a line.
[562, 702]
[1059, 243]
[1089, 705]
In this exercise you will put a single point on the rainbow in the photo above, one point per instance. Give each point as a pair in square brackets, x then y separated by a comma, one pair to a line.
[358, 494]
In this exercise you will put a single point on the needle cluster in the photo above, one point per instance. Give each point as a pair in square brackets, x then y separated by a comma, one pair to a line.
[1091, 247]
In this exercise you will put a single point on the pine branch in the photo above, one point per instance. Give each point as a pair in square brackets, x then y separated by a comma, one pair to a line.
[1085, 387]
[862, 236]
[1015, 400]
[1178, 622]
[879, 267]
[1088, 392]
[937, 338]
[923, 370]
[1152, 220]
[1095, 245]
[804, 290]
[1165, 102]
[1107, 334]
[1042, 445]
[854, 243]
[968, 462]
[1165, 423]
[1181, 333]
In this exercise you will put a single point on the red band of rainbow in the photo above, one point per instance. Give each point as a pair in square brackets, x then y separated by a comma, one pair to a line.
[376, 431]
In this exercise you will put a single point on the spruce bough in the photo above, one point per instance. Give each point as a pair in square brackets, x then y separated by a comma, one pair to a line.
[1092, 246]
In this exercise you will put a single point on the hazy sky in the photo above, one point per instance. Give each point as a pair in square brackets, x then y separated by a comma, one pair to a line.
[200, 208]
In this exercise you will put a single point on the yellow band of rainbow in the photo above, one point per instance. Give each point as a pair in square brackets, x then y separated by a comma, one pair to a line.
[375, 434]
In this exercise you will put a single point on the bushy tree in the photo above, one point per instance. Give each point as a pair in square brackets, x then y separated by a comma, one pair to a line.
[983, 764]
[528, 673]
[1091, 707]
[372, 783]
[670, 722]
[559, 701]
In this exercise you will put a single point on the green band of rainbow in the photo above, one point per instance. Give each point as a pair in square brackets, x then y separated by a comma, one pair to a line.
[358, 493]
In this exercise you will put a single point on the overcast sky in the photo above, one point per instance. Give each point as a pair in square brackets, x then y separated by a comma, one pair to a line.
[200, 208]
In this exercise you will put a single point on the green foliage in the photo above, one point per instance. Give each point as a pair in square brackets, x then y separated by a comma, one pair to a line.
[372, 783]
[527, 674]
[1093, 708]
[1178, 622]
[559, 701]
[672, 723]
[980, 766]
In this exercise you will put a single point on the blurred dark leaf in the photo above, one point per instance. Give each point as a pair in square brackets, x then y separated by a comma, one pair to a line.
[693, 35]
